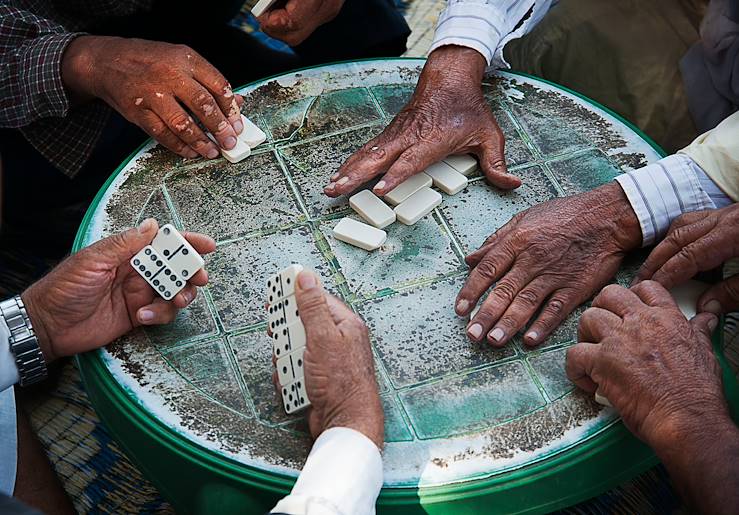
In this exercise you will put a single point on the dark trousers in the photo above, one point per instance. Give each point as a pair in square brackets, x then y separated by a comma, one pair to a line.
[42, 208]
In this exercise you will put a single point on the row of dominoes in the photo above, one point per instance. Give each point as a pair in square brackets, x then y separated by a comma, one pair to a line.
[168, 262]
[413, 199]
[288, 337]
[251, 137]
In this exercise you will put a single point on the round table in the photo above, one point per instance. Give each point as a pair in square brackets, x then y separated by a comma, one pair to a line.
[469, 428]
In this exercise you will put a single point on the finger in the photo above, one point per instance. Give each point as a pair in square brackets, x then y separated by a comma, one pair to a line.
[200, 242]
[495, 263]
[475, 257]
[523, 307]
[618, 300]
[183, 126]
[493, 164]
[313, 308]
[415, 159]
[155, 127]
[678, 237]
[654, 294]
[722, 297]
[120, 248]
[558, 307]
[704, 324]
[185, 297]
[595, 324]
[221, 90]
[371, 160]
[707, 253]
[579, 364]
[339, 310]
[200, 278]
[159, 312]
[496, 303]
[202, 104]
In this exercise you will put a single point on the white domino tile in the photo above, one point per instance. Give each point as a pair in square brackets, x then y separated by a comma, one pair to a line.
[294, 396]
[417, 206]
[261, 7]
[446, 178]
[359, 234]
[240, 152]
[287, 338]
[372, 209]
[407, 188]
[602, 400]
[153, 267]
[180, 256]
[686, 296]
[282, 313]
[282, 284]
[252, 135]
[463, 163]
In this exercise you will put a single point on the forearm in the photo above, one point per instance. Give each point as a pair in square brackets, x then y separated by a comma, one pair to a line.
[703, 462]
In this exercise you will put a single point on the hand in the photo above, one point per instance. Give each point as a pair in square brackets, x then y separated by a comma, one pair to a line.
[446, 115]
[556, 254]
[697, 242]
[654, 366]
[339, 367]
[95, 296]
[298, 19]
[149, 82]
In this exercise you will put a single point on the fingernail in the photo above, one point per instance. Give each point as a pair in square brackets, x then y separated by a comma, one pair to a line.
[335, 176]
[713, 323]
[212, 153]
[191, 154]
[532, 335]
[462, 306]
[713, 306]
[475, 330]
[343, 180]
[188, 296]
[230, 142]
[146, 225]
[307, 281]
[331, 185]
[146, 316]
[238, 126]
[497, 334]
[380, 185]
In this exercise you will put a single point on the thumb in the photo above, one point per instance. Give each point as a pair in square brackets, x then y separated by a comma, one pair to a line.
[493, 165]
[121, 247]
[579, 365]
[312, 306]
[704, 324]
[721, 298]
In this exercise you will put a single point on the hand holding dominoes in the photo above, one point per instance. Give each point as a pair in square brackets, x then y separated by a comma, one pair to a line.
[169, 262]
[323, 356]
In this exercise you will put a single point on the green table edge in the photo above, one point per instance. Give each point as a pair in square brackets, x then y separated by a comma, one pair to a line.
[114, 404]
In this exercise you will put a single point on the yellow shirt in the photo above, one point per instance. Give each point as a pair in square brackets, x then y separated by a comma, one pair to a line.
[717, 153]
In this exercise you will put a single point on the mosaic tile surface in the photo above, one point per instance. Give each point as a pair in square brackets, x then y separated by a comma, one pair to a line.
[455, 410]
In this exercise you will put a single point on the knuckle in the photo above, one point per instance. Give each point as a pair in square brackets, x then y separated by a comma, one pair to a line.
[505, 290]
[555, 307]
[486, 268]
[179, 121]
[528, 298]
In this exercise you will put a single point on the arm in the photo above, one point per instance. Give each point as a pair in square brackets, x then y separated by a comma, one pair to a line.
[447, 113]
[343, 473]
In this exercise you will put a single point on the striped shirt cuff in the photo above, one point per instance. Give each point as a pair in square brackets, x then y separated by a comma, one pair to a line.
[41, 75]
[474, 25]
[663, 191]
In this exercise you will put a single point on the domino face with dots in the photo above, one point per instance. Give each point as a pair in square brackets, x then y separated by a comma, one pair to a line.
[287, 338]
[282, 313]
[294, 396]
[177, 251]
[282, 284]
[155, 270]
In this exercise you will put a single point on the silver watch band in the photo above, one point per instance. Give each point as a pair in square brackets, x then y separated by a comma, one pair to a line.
[23, 342]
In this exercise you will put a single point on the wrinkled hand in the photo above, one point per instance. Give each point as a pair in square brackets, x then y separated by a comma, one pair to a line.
[298, 19]
[95, 296]
[556, 255]
[149, 82]
[446, 115]
[697, 242]
[654, 366]
[339, 367]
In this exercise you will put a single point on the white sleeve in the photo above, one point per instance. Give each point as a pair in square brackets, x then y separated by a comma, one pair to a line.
[342, 476]
[664, 190]
[8, 369]
[487, 25]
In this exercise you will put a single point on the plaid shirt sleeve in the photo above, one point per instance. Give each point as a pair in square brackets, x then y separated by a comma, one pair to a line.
[32, 95]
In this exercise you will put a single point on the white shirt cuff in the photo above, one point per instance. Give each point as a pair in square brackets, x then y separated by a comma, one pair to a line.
[342, 476]
[663, 191]
[8, 369]
[479, 26]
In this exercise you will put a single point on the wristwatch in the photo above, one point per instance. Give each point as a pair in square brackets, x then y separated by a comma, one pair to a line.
[23, 342]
